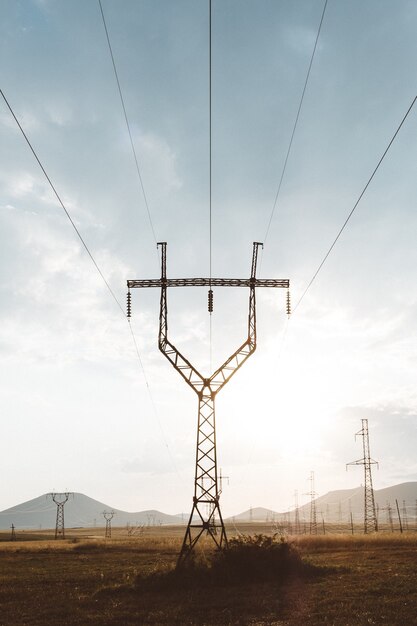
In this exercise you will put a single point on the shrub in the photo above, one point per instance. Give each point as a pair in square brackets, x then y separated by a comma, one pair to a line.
[256, 558]
[248, 559]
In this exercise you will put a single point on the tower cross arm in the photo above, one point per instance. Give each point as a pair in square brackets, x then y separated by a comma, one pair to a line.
[207, 282]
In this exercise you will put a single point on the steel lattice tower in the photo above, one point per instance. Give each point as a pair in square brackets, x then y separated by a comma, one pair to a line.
[370, 517]
[297, 526]
[108, 516]
[313, 512]
[205, 513]
[60, 499]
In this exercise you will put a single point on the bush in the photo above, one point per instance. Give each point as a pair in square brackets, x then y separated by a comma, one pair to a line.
[257, 557]
[248, 559]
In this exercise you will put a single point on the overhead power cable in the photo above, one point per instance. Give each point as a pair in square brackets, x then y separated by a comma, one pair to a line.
[135, 157]
[210, 189]
[95, 265]
[63, 205]
[295, 123]
[210, 152]
[355, 205]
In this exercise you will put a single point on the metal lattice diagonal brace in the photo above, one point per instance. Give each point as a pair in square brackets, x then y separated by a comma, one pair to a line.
[370, 516]
[205, 514]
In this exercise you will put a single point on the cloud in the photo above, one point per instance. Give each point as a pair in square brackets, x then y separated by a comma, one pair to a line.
[158, 163]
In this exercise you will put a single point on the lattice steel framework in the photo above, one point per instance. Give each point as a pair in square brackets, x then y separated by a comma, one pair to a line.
[205, 513]
[370, 517]
[313, 511]
[60, 499]
[108, 516]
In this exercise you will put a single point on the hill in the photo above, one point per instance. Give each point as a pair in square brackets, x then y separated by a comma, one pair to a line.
[336, 506]
[79, 511]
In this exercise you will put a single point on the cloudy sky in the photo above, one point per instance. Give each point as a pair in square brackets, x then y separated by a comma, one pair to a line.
[79, 410]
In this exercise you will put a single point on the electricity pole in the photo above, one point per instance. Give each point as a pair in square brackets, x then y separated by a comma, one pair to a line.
[205, 518]
[370, 518]
[313, 512]
[60, 499]
[108, 516]
[297, 515]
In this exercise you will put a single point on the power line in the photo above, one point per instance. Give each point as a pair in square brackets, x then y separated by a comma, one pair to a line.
[152, 229]
[295, 123]
[97, 268]
[210, 200]
[62, 204]
[127, 123]
[355, 205]
[210, 149]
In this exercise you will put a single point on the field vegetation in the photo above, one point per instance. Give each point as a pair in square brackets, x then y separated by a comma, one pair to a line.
[341, 580]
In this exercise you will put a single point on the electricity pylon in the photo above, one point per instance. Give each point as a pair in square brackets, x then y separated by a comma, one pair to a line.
[205, 513]
[108, 516]
[313, 512]
[60, 499]
[370, 518]
[297, 527]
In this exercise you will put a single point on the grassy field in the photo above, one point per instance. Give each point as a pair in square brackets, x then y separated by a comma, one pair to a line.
[84, 579]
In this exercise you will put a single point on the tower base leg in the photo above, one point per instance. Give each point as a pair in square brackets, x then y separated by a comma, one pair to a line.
[200, 524]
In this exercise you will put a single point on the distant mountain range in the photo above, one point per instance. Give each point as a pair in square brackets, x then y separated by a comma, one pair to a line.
[336, 506]
[79, 511]
[85, 512]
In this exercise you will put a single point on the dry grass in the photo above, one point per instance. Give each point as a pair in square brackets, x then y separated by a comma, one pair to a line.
[85, 580]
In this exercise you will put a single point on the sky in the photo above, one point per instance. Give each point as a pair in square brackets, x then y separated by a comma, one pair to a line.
[80, 411]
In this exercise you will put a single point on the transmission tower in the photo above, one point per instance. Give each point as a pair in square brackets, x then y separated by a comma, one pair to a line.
[60, 499]
[390, 521]
[108, 516]
[405, 516]
[313, 512]
[370, 518]
[297, 527]
[206, 484]
[13, 535]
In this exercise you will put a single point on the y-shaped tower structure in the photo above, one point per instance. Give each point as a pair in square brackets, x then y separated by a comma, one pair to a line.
[205, 513]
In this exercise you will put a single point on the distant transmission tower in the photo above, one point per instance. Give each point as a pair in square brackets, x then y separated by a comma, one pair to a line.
[206, 484]
[13, 535]
[313, 512]
[370, 517]
[297, 526]
[60, 499]
[405, 516]
[108, 516]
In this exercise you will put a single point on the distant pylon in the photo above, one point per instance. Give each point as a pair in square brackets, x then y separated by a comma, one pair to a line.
[313, 512]
[13, 536]
[297, 527]
[108, 516]
[405, 516]
[60, 499]
[389, 517]
[370, 518]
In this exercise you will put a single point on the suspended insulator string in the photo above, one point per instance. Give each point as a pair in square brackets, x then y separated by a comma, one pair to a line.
[210, 300]
[62, 204]
[295, 124]
[129, 304]
[355, 205]
[288, 303]
[128, 125]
